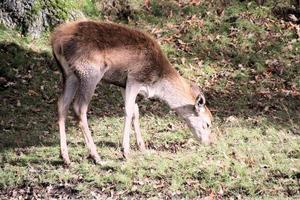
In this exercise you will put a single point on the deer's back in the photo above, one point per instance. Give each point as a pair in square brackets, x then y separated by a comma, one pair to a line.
[123, 50]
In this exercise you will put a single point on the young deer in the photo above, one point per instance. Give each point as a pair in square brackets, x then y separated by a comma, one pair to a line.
[89, 51]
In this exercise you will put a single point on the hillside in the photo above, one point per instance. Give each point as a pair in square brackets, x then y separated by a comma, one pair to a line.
[245, 57]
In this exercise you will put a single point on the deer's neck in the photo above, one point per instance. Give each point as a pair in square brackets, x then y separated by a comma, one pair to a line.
[176, 93]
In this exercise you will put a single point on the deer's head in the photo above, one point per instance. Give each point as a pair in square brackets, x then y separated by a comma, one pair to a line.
[198, 118]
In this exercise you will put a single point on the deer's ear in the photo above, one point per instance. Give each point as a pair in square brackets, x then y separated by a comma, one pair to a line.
[195, 88]
[200, 103]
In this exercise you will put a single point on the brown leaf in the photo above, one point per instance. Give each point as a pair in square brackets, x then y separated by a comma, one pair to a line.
[147, 3]
[195, 2]
[159, 185]
[2, 80]
[18, 103]
[32, 93]
[36, 109]
[183, 59]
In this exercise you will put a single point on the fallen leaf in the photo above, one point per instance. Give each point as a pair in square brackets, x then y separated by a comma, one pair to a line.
[32, 93]
[195, 2]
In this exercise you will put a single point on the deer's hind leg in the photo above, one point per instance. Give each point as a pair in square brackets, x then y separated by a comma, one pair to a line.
[87, 86]
[69, 90]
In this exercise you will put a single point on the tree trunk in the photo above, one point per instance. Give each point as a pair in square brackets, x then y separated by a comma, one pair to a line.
[32, 17]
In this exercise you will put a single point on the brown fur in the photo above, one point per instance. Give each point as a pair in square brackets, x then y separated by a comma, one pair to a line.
[184, 88]
[126, 51]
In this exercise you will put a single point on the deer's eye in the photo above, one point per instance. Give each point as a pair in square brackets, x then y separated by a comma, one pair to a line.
[207, 125]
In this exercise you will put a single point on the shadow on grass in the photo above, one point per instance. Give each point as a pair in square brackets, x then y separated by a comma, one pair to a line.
[280, 110]
[24, 162]
[27, 97]
[30, 85]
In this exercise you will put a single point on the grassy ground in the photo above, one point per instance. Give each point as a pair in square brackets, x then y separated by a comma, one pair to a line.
[248, 64]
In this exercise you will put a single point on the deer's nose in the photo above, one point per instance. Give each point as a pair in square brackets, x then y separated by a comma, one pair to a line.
[206, 125]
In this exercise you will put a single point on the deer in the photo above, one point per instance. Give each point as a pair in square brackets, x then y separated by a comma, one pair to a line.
[88, 52]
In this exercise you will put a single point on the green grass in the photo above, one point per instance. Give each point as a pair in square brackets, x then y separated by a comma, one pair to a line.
[246, 61]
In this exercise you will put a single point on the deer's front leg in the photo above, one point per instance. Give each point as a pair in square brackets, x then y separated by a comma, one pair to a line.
[139, 140]
[136, 124]
[132, 90]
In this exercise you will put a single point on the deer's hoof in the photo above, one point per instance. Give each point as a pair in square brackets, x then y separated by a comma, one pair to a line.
[67, 163]
[96, 159]
[66, 159]
[125, 155]
[100, 162]
[142, 147]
